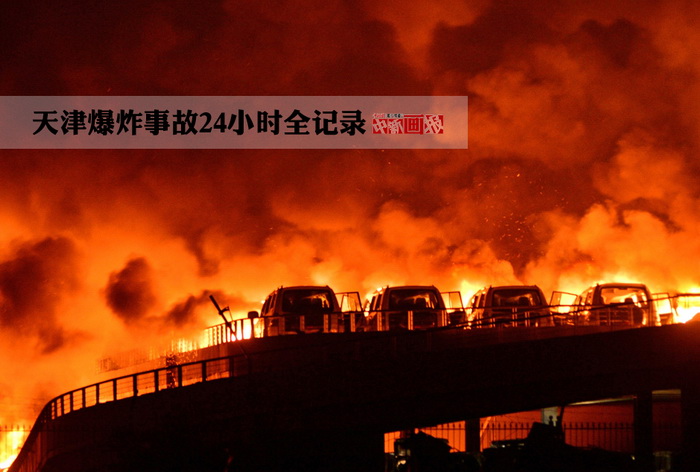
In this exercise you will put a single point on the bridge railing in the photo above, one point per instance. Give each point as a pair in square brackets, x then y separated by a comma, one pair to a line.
[389, 320]
[142, 383]
[511, 317]
[261, 327]
[37, 449]
[613, 314]
[676, 308]
[335, 322]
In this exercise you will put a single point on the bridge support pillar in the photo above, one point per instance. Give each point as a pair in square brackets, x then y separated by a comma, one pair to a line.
[644, 431]
[473, 435]
[690, 410]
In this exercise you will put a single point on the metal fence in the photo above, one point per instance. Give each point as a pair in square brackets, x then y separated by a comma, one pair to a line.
[153, 381]
[37, 447]
[614, 436]
[662, 308]
[611, 436]
[390, 320]
[336, 322]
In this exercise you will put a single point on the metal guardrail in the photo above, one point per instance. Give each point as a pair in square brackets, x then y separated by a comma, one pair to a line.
[484, 317]
[37, 447]
[335, 322]
[537, 316]
[262, 327]
[657, 311]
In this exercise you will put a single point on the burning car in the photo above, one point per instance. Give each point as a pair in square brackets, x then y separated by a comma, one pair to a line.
[609, 304]
[509, 305]
[405, 307]
[306, 309]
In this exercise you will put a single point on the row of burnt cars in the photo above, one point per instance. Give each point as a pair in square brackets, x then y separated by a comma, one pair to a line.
[309, 309]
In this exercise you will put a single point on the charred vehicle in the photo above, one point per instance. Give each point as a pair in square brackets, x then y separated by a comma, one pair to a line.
[405, 307]
[307, 309]
[615, 304]
[511, 305]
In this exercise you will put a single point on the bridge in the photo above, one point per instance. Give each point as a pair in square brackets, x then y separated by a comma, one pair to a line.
[324, 401]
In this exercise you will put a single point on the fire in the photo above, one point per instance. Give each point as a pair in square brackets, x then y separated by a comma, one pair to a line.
[8, 462]
[13, 441]
[687, 305]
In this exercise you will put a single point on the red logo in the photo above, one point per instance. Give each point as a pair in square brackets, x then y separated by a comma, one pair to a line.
[398, 123]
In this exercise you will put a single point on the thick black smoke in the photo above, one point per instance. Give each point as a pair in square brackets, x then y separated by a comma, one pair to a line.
[34, 279]
[189, 310]
[129, 292]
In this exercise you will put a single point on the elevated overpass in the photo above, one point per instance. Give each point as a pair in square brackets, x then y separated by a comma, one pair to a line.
[323, 401]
